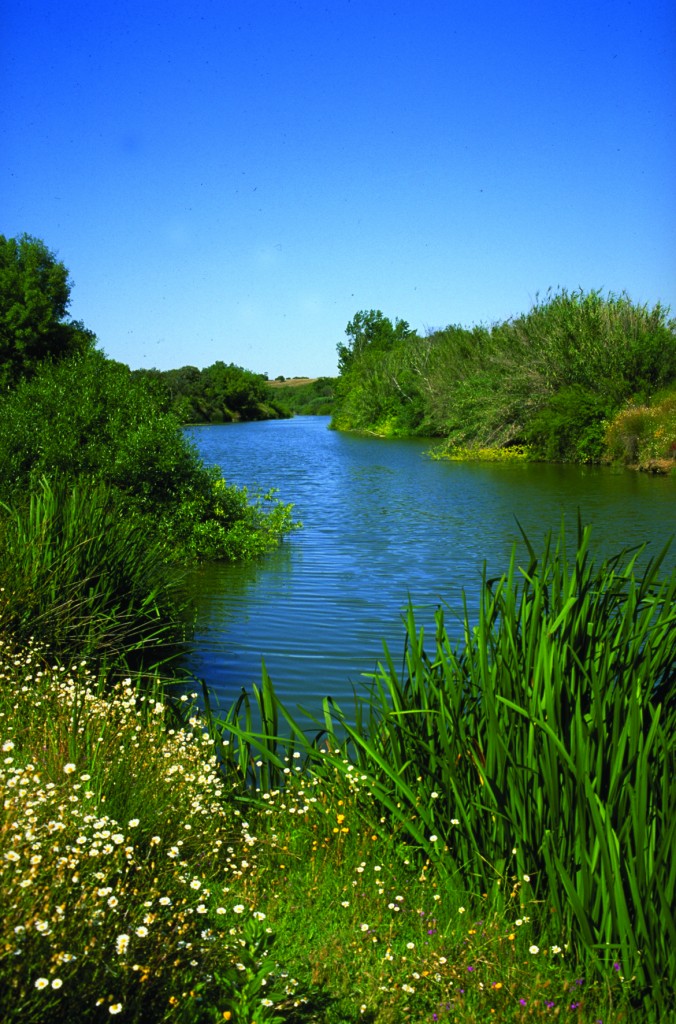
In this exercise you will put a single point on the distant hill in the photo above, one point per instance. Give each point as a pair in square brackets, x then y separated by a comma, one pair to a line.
[292, 382]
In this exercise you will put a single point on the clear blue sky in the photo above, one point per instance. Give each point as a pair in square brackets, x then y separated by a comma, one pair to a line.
[234, 179]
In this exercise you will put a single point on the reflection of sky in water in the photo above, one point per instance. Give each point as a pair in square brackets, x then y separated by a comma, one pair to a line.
[382, 523]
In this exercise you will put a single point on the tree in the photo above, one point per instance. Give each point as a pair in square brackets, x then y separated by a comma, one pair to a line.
[370, 330]
[34, 300]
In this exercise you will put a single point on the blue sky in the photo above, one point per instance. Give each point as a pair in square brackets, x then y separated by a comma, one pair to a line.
[234, 179]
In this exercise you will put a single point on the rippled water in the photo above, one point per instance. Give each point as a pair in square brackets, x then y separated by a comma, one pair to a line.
[382, 523]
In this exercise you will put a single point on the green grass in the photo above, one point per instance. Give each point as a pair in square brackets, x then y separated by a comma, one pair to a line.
[139, 883]
[84, 577]
[487, 835]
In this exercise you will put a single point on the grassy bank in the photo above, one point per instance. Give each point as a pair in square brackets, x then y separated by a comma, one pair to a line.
[138, 884]
[487, 835]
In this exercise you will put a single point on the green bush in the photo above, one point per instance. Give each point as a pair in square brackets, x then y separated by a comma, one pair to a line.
[644, 435]
[315, 398]
[91, 417]
[219, 393]
[570, 428]
[550, 377]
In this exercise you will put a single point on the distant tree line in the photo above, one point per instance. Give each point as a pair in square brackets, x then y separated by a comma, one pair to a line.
[220, 393]
[553, 379]
[305, 398]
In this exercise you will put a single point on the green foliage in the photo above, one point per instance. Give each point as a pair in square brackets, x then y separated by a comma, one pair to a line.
[549, 378]
[91, 417]
[77, 572]
[218, 394]
[228, 524]
[75, 418]
[645, 435]
[378, 388]
[373, 331]
[540, 746]
[571, 427]
[599, 343]
[34, 298]
[314, 398]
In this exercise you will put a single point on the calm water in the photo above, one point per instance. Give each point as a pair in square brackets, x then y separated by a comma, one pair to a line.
[381, 524]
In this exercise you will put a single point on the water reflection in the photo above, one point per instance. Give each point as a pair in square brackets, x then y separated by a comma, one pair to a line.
[381, 524]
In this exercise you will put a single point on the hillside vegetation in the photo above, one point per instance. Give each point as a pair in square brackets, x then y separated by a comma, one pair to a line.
[302, 396]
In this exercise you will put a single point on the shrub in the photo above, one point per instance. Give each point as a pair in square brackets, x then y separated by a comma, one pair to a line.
[571, 427]
[644, 434]
[549, 378]
[90, 417]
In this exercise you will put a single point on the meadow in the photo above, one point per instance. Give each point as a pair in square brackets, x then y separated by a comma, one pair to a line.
[486, 834]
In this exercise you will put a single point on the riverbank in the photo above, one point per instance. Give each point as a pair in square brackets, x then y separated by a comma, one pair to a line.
[579, 378]
[163, 865]
[141, 885]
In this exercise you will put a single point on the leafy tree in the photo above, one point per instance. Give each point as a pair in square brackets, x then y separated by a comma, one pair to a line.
[218, 394]
[370, 330]
[34, 299]
[378, 389]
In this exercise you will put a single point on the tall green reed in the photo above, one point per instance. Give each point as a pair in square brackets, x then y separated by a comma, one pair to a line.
[534, 753]
[84, 578]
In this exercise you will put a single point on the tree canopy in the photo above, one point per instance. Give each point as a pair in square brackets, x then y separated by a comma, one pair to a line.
[220, 393]
[370, 330]
[34, 299]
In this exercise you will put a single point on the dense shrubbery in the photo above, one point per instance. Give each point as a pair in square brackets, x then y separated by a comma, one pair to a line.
[91, 418]
[218, 394]
[552, 378]
[378, 390]
[102, 493]
[645, 434]
[314, 398]
[571, 427]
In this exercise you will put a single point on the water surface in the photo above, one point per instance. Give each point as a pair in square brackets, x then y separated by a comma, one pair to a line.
[382, 524]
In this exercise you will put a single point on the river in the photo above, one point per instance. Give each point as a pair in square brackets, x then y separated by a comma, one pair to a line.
[382, 524]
